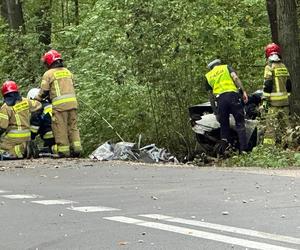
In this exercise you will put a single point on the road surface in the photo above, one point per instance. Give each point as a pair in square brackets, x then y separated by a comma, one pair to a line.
[83, 204]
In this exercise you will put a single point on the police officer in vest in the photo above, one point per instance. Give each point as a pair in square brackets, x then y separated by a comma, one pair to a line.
[224, 85]
[277, 88]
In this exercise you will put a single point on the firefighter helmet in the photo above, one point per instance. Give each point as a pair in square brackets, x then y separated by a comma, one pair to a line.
[272, 49]
[51, 56]
[32, 94]
[9, 87]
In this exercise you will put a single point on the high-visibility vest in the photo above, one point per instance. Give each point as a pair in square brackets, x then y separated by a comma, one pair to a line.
[220, 80]
[279, 74]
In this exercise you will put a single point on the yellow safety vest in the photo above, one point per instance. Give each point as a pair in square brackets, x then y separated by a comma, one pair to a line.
[220, 80]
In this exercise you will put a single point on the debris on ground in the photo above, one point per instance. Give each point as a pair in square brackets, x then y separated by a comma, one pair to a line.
[123, 243]
[130, 152]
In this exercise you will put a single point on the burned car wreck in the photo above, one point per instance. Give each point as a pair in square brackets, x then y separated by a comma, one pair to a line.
[207, 128]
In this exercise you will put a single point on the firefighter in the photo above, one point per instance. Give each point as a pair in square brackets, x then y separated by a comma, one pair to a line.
[223, 86]
[40, 124]
[277, 88]
[58, 86]
[15, 116]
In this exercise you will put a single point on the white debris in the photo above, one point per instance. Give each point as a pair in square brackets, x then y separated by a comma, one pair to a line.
[244, 201]
[225, 212]
[283, 216]
[154, 197]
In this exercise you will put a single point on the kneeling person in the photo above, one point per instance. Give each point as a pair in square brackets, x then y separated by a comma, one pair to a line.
[15, 116]
[40, 124]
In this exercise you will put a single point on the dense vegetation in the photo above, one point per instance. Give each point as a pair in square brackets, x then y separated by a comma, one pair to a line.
[139, 63]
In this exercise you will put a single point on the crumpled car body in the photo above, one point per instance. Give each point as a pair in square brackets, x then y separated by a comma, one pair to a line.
[207, 129]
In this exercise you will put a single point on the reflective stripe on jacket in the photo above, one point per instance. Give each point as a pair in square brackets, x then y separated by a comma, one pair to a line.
[279, 74]
[220, 80]
[60, 84]
[16, 119]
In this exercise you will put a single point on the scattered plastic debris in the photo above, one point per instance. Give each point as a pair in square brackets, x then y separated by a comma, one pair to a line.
[129, 151]
[123, 243]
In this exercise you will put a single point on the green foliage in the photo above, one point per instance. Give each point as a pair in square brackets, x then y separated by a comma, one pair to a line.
[139, 63]
[266, 157]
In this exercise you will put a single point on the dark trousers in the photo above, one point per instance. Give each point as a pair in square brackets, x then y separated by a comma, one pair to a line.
[229, 103]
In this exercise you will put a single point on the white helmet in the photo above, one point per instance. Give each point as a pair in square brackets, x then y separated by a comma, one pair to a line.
[213, 63]
[32, 94]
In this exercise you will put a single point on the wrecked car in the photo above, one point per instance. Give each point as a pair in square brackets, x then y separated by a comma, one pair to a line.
[207, 128]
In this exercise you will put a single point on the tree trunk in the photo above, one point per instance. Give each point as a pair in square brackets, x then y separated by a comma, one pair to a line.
[3, 9]
[63, 13]
[15, 14]
[288, 35]
[76, 3]
[44, 24]
[271, 8]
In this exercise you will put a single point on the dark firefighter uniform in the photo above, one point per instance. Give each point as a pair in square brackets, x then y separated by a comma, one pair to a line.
[277, 88]
[57, 85]
[15, 120]
[228, 102]
[40, 124]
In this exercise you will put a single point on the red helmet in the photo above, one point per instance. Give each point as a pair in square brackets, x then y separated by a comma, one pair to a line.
[51, 56]
[271, 49]
[9, 87]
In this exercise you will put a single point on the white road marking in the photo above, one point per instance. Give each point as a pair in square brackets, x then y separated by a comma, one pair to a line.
[4, 191]
[90, 209]
[199, 234]
[223, 228]
[21, 196]
[54, 202]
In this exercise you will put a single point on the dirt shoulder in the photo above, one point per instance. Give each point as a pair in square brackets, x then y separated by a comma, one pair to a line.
[62, 163]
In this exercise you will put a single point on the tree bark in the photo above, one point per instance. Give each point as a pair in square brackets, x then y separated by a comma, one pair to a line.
[76, 3]
[272, 13]
[14, 14]
[44, 25]
[288, 36]
[3, 9]
[63, 13]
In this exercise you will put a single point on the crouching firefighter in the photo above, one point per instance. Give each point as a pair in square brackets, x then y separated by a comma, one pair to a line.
[40, 124]
[58, 86]
[15, 116]
[223, 85]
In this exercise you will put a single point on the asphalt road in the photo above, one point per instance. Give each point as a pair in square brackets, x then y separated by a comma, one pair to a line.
[95, 205]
